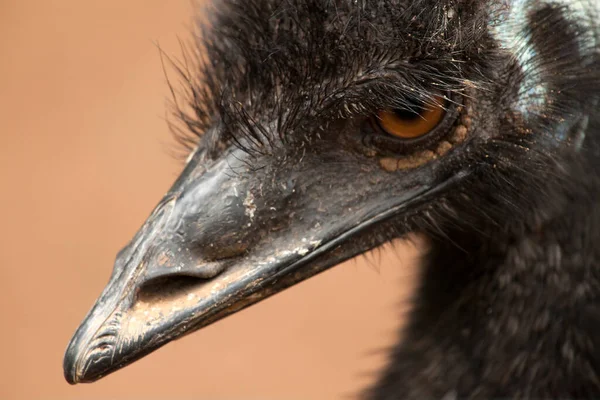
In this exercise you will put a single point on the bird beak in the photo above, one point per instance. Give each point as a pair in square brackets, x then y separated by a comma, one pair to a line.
[227, 236]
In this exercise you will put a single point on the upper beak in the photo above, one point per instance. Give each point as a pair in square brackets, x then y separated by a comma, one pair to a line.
[223, 238]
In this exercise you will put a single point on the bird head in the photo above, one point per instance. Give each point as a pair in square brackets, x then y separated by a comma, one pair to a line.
[322, 129]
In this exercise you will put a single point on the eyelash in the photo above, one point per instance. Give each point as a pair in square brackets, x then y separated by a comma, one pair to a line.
[360, 101]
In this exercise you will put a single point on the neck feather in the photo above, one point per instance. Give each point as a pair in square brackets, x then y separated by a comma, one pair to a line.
[513, 313]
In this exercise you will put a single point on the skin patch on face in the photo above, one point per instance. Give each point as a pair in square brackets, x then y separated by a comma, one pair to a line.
[414, 160]
[457, 136]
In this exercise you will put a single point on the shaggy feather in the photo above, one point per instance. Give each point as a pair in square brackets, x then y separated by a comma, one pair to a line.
[511, 248]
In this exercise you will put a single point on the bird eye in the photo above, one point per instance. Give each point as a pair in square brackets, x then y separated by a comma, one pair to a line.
[415, 120]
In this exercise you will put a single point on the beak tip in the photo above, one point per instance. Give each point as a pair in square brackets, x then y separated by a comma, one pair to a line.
[87, 360]
[71, 379]
[70, 363]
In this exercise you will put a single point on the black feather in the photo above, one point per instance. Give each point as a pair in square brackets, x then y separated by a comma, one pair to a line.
[511, 287]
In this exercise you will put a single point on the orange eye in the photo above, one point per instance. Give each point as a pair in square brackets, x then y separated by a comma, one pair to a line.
[420, 119]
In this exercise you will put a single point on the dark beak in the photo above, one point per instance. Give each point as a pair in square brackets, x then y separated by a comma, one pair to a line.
[227, 236]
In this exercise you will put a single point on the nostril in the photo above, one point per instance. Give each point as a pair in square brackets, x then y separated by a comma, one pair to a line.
[182, 262]
[204, 271]
[168, 288]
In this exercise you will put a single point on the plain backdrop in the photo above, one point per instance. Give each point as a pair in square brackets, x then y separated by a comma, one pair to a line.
[84, 157]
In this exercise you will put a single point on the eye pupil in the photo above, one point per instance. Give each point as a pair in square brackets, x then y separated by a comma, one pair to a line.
[407, 114]
[413, 109]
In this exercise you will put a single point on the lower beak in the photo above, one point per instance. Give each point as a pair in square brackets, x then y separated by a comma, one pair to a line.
[118, 332]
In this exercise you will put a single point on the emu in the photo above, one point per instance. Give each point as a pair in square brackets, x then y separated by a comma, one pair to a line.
[320, 129]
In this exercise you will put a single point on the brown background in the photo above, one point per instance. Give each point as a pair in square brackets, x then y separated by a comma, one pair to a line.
[83, 159]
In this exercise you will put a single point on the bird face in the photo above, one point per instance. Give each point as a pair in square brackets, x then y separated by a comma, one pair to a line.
[328, 128]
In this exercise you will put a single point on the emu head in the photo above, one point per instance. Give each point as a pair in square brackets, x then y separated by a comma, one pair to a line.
[326, 128]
